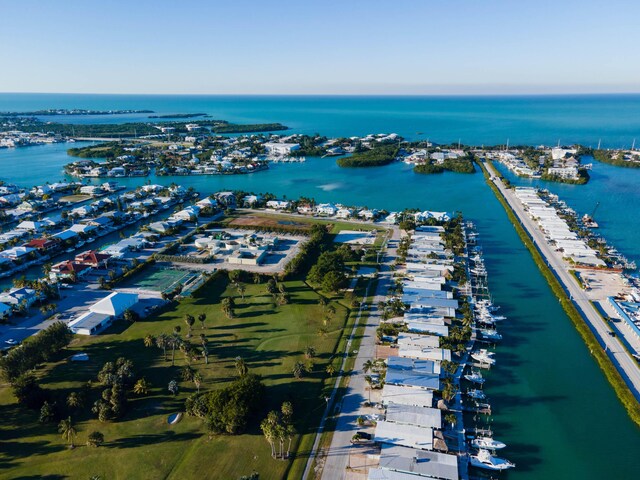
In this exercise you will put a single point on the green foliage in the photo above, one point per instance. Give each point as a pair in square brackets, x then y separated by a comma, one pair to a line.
[613, 158]
[39, 348]
[229, 409]
[457, 165]
[378, 156]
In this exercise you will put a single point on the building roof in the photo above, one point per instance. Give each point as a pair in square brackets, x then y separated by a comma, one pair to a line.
[407, 395]
[413, 379]
[405, 435]
[414, 415]
[115, 304]
[419, 462]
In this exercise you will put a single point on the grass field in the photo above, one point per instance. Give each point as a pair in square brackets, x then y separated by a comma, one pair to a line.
[142, 445]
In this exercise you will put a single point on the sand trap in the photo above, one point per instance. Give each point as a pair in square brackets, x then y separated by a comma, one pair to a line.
[353, 237]
[174, 418]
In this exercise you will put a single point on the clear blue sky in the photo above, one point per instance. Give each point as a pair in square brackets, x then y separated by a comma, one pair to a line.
[320, 46]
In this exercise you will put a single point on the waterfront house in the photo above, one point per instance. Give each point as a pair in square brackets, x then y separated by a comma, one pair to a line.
[281, 149]
[278, 204]
[91, 190]
[17, 253]
[404, 463]
[326, 209]
[69, 270]
[93, 259]
[19, 296]
[411, 436]
[43, 245]
[407, 395]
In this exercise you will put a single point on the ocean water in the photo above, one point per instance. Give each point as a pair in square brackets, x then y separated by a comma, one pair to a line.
[473, 120]
[552, 405]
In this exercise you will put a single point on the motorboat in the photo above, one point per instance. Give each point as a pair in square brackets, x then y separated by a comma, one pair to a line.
[487, 443]
[485, 460]
[484, 356]
[477, 394]
[475, 377]
[490, 334]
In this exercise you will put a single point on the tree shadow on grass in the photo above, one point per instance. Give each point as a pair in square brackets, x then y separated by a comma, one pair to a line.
[151, 439]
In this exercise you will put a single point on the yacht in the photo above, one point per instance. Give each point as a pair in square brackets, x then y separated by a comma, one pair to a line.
[485, 460]
[487, 443]
[490, 334]
[484, 356]
[477, 394]
[475, 377]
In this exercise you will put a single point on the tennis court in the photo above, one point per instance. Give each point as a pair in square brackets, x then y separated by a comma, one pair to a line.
[158, 279]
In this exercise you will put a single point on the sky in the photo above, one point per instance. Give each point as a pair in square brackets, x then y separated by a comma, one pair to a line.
[320, 47]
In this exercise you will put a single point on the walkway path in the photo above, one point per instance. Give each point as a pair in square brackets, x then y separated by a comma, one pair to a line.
[337, 455]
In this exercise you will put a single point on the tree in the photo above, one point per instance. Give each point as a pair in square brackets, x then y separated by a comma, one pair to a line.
[189, 320]
[241, 367]
[74, 400]
[95, 439]
[331, 370]
[227, 306]
[187, 373]
[241, 289]
[68, 431]
[201, 318]
[47, 412]
[197, 380]
[322, 302]
[130, 316]
[309, 352]
[268, 430]
[271, 286]
[149, 341]
[332, 281]
[141, 387]
[299, 369]
[162, 341]
[174, 341]
[451, 419]
[257, 278]
[173, 387]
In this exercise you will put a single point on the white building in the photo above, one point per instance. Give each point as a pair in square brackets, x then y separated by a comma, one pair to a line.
[103, 313]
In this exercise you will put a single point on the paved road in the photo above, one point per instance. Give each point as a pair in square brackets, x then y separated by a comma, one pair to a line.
[626, 365]
[337, 456]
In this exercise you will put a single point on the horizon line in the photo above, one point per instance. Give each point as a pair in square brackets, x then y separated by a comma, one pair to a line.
[546, 94]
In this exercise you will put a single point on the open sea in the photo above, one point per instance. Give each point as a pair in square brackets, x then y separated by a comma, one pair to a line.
[552, 405]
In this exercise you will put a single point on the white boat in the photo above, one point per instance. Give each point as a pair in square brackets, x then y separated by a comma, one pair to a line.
[80, 244]
[484, 356]
[487, 443]
[477, 394]
[485, 460]
[90, 240]
[475, 377]
[490, 334]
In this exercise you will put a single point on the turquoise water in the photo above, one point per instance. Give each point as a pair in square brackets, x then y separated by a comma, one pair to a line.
[473, 120]
[552, 406]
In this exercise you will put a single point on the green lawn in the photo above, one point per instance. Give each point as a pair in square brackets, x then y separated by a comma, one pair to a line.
[142, 445]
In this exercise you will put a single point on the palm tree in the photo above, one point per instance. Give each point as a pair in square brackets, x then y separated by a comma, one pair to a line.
[141, 387]
[368, 365]
[298, 369]
[162, 341]
[227, 306]
[241, 289]
[451, 419]
[309, 352]
[74, 400]
[268, 432]
[187, 350]
[197, 380]
[68, 431]
[149, 341]
[201, 318]
[95, 439]
[189, 320]
[174, 341]
[287, 412]
[331, 370]
[241, 367]
[257, 278]
[290, 431]
[205, 354]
